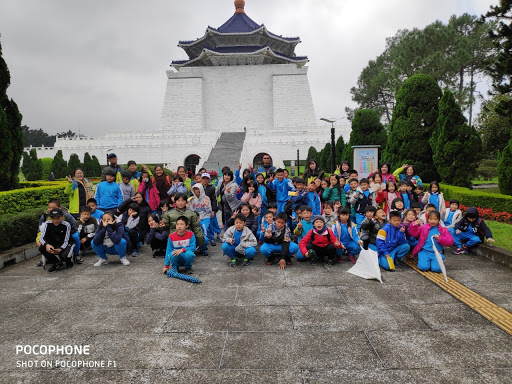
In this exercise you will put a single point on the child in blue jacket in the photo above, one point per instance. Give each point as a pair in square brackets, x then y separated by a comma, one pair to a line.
[108, 194]
[391, 242]
[282, 186]
[314, 199]
[303, 227]
[346, 232]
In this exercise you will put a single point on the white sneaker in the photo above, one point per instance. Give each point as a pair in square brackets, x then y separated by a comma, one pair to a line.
[100, 262]
[125, 261]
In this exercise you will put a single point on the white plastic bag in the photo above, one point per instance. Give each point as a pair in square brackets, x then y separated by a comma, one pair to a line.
[367, 265]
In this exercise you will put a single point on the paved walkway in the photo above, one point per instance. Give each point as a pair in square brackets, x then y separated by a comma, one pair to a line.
[254, 324]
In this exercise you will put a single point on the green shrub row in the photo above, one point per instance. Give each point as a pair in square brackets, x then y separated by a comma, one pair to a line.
[35, 184]
[19, 200]
[19, 228]
[475, 198]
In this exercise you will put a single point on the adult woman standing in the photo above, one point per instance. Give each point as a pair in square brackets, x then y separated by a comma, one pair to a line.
[312, 172]
[162, 182]
[227, 192]
[410, 174]
[79, 190]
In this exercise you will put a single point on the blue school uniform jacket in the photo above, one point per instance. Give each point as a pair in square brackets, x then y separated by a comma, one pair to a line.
[108, 195]
[314, 202]
[388, 239]
[282, 188]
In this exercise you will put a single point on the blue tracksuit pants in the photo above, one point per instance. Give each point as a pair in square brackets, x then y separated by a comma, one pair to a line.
[184, 259]
[229, 250]
[427, 261]
[267, 249]
[467, 237]
[395, 254]
[76, 238]
[117, 249]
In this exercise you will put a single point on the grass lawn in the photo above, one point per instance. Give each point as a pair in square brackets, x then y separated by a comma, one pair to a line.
[501, 233]
[494, 180]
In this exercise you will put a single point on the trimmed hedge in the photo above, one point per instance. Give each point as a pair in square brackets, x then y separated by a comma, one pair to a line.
[20, 200]
[35, 184]
[475, 198]
[20, 228]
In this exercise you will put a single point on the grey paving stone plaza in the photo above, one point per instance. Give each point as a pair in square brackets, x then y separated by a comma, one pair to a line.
[255, 324]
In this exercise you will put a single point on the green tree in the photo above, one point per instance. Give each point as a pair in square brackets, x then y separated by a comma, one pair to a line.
[59, 165]
[312, 153]
[340, 149]
[97, 168]
[88, 166]
[504, 168]
[32, 167]
[500, 67]
[325, 158]
[457, 148]
[414, 120]
[73, 163]
[36, 137]
[46, 164]
[452, 54]
[11, 147]
[366, 130]
[493, 127]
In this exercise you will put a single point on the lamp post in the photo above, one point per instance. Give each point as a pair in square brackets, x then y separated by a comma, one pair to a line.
[333, 144]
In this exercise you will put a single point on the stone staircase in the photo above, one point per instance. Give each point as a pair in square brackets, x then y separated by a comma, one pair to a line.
[226, 152]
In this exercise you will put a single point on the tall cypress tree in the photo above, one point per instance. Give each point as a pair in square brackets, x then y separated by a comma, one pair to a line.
[73, 163]
[413, 122]
[87, 166]
[366, 130]
[11, 136]
[59, 165]
[456, 147]
[340, 148]
[97, 168]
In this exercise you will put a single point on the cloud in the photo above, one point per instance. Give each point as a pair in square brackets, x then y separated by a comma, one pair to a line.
[101, 65]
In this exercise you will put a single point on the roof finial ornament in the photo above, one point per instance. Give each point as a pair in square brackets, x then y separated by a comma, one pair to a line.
[239, 5]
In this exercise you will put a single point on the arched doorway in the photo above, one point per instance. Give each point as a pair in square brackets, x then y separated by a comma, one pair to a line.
[258, 160]
[191, 163]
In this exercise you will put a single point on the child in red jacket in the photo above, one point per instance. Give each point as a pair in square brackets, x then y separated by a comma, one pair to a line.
[319, 242]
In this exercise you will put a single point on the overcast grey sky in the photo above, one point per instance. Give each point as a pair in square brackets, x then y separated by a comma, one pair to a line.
[100, 65]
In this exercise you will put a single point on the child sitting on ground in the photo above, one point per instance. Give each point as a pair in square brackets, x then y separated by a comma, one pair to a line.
[54, 241]
[410, 219]
[157, 236]
[427, 260]
[268, 220]
[239, 242]
[366, 225]
[373, 227]
[277, 241]
[319, 242]
[109, 238]
[329, 215]
[87, 226]
[180, 247]
[452, 215]
[96, 213]
[131, 221]
[303, 227]
[391, 242]
[346, 232]
[470, 231]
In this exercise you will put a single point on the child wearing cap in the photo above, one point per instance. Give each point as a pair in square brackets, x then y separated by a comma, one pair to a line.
[54, 241]
[319, 242]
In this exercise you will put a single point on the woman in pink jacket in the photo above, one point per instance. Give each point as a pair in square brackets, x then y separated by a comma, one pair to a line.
[149, 191]
[427, 260]
[252, 196]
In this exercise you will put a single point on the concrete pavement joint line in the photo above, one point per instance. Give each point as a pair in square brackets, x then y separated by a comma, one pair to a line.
[492, 312]
[374, 350]
[223, 349]
[419, 317]
[341, 294]
[168, 319]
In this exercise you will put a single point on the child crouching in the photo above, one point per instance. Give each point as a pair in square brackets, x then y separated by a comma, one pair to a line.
[277, 241]
[239, 241]
[319, 242]
[391, 242]
[180, 247]
[425, 248]
[346, 232]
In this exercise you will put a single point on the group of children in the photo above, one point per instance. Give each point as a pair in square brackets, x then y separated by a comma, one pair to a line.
[315, 219]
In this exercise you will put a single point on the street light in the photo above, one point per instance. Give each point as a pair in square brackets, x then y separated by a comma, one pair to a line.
[333, 144]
